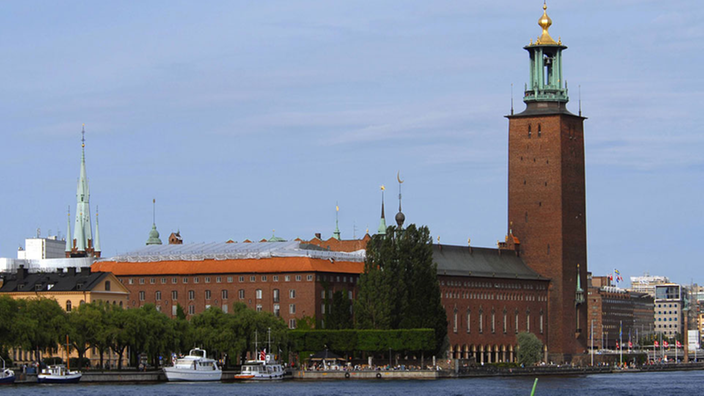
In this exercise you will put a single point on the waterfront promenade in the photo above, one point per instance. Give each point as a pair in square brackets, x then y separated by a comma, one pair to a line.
[156, 376]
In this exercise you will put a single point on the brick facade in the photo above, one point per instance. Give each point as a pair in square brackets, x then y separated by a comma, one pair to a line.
[546, 211]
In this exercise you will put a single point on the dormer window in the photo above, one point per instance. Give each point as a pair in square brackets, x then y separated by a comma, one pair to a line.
[107, 285]
[38, 287]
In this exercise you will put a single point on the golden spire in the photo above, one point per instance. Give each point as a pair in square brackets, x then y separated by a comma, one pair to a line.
[545, 22]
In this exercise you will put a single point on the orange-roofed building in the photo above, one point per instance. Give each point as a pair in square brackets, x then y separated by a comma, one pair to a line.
[290, 279]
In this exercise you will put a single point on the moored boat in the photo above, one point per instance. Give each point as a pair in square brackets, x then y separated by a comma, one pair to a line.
[194, 367]
[58, 374]
[7, 376]
[264, 368]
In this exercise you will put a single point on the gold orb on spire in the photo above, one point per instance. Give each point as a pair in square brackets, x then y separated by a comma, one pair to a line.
[545, 22]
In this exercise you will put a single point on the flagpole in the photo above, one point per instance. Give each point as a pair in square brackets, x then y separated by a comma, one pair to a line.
[620, 342]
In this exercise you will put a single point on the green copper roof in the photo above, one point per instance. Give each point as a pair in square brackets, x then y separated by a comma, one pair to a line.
[153, 236]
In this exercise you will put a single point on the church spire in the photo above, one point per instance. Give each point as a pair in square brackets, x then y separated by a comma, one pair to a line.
[336, 234]
[382, 222]
[82, 227]
[153, 234]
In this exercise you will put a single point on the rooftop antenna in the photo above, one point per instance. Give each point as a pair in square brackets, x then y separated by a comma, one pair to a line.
[511, 99]
[580, 100]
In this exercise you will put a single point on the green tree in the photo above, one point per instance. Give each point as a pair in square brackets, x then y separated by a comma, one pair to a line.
[119, 331]
[530, 348]
[84, 324]
[340, 314]
[399, 288]
[8, 315]
[40, 325]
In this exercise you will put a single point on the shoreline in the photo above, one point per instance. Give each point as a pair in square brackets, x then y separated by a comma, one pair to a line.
[157, 376]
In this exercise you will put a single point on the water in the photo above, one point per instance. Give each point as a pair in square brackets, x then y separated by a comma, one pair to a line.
[660, 384]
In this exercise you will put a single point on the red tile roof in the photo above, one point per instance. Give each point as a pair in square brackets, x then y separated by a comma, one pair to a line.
[211, 266]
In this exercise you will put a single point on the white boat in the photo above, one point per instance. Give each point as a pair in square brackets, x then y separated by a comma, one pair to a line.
[58, 374]
[7, 376]
[264, 368]
[194, 367]
[261, 369]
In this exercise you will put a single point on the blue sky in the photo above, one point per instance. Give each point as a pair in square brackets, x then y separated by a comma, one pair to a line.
[243, 117]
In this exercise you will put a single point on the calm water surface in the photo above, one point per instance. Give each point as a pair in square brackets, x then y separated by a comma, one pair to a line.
[658, 384]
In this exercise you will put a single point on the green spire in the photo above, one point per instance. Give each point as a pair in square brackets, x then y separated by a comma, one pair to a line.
[382, 222]
[153, 234]
[82, 227]
[546, 81]
[336, 234]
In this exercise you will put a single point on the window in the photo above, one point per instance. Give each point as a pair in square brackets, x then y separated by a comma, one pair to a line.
[349, 294]
[218, 279]
[174, 310]
[541, 322]
[191, 309]
[298, 278]
[163, 281]
[68, 306]
[152, 281]
[157, 295]
[252, 278]
[528, 321]
[258, 294]
[107, 285]
[292, 308]
[241, 278]
[207, 295]
[241, 294]
[263, 278]
[224, 308]
[185, 280]
[174, 280]
[469, 321]
[322, 294]
[292, 323]
[130, 281]
[277, 310]
[505, 324]
[142, 295]
[454, 321]
[516, 322]
[287, 278]
[481, 322]
[223, 294]
[141, 281]
[259, 307]
[493, 321]
[207, 279]
[191, 295]
[196, 279]
[276, 295]
[309, 278]
[229, 279]
[276, 278]
[322, 308]
[174, 295]
[292, 293]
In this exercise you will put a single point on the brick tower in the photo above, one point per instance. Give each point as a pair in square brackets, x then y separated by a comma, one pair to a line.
[546, 194]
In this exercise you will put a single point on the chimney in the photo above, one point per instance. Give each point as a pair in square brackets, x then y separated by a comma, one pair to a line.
[22, 272]
[318, 235]
[71, 271]
[85, 270]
